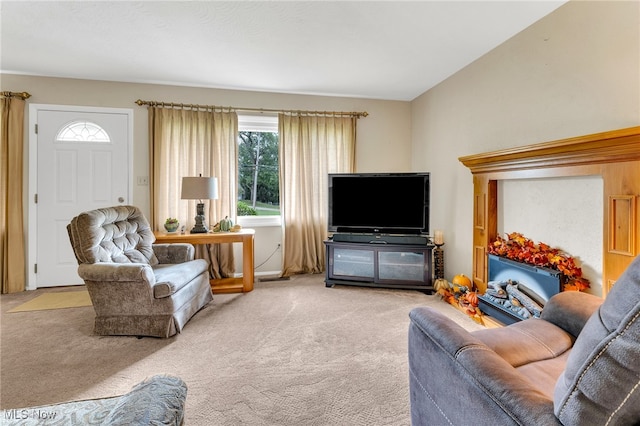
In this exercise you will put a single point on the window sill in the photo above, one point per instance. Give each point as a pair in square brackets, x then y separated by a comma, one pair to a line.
[259, 221]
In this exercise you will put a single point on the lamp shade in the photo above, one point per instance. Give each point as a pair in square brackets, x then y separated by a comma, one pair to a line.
[199, 188]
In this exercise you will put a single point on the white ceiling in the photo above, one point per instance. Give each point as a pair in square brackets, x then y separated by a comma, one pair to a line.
[393, 50]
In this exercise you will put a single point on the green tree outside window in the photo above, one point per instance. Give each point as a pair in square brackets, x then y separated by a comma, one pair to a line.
[258, 175]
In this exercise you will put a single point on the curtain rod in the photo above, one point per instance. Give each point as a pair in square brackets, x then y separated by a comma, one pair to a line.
[21, 95]
[222, 108]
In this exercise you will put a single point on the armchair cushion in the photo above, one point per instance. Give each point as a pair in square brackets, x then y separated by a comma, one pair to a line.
[601, 382]
[171, 278]
[174, 253]
[119, 234]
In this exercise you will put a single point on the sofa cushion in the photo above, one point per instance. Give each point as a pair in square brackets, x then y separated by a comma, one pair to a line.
[601, 381]
[544, 374]
[71, 413]
[171, 278]
[156, 401]
[537, 341]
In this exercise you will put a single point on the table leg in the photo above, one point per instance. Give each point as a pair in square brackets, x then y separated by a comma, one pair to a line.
[247, 264]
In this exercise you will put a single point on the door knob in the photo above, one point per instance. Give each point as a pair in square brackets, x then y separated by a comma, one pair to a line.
[120, 199]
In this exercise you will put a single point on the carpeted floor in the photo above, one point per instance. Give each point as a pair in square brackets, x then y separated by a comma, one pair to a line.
[289, 353]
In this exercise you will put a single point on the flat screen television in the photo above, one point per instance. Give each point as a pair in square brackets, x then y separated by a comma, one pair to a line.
[379, 203]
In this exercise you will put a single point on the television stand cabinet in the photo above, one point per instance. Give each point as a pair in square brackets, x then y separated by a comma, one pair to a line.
[400, 266]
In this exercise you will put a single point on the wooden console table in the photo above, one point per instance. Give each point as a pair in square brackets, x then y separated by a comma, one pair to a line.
[244, 236]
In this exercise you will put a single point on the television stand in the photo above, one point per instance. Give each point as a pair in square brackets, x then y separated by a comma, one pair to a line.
[399, 266]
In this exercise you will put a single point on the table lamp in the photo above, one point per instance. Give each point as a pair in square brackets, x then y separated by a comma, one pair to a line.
[199, 188]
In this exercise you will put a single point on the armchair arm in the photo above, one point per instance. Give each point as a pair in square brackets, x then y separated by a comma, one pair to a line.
[120, 288]
[570, 310]
[456, 379]
[113, 272]
[174, 253]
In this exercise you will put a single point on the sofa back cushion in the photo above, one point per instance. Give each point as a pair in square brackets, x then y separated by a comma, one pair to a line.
[119, 234]
[601, 381]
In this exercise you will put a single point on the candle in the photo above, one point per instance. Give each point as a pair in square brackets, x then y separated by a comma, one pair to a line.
[438, 238]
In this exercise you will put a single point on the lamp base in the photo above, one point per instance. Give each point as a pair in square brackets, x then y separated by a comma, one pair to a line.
[198, 230]
[199, 227]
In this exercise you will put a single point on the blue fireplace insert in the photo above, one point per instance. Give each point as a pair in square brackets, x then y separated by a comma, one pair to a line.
[527, 282]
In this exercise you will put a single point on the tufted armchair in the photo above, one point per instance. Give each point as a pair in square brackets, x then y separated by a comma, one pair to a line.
[576, 365]
[136, 287]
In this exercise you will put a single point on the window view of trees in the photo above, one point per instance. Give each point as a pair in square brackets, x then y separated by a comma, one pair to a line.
[258, 179]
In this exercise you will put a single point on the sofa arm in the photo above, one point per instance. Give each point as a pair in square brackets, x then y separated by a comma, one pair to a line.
[174, 253]
[114, 272]
[456, 379]
[570, 310]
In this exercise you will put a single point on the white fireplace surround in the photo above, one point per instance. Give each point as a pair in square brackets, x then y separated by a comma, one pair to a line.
[565, 213]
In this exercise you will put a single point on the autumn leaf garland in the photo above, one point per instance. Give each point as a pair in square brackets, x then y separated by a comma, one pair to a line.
[517, 247]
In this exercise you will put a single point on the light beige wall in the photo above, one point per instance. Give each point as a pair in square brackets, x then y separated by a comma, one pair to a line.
[383, 138]
[575, 72]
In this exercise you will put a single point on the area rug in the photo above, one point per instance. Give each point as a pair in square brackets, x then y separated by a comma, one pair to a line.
[57, 300]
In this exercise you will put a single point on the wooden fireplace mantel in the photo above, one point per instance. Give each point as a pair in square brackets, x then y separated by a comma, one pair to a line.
[613, 155]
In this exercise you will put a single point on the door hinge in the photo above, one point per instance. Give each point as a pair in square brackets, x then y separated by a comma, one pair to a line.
[35, 128]
[35, 268]
[35, 198]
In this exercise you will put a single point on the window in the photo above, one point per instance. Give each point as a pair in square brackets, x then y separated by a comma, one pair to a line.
[82, 131]
[258, 172]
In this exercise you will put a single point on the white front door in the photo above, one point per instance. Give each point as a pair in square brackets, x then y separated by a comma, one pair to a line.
[83, 163]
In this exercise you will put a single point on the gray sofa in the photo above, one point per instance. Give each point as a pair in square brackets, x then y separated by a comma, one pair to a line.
[579, 364]
[136, 287]
[158, 400]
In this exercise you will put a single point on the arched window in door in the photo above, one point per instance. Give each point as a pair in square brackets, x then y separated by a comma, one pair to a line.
[82, 131]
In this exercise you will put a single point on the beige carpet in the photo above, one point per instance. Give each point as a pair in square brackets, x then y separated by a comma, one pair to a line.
[288, 353]
[58, 300]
